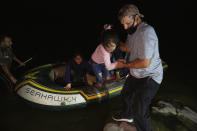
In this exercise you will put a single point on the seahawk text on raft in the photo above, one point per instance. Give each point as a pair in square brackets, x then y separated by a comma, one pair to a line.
[47, 98]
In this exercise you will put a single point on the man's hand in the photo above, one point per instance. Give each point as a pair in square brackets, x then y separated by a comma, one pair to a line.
[13, 80]
[122, 60]
[120, 64]
[68, 86]
[22, 64]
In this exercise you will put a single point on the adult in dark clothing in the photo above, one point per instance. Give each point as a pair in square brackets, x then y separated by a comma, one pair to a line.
[6, 58]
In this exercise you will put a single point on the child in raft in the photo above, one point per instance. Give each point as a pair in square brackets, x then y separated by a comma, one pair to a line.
[78, 71]
[100, 59]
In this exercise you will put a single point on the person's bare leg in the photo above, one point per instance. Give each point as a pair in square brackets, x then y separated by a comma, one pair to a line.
[99, 85]
[90, 79]
[117, 75]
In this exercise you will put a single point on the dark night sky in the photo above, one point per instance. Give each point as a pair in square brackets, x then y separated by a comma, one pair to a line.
[55, 28]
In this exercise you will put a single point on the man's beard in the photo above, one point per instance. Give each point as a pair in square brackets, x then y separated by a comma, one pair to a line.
[131, 29]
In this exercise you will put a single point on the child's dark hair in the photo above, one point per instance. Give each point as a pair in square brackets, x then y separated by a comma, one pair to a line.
[77, 53]
[110, 36]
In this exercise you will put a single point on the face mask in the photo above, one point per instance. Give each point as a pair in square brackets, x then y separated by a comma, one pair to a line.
[132, 29]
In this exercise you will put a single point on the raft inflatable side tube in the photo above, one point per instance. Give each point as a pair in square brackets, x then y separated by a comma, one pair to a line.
[37, 89]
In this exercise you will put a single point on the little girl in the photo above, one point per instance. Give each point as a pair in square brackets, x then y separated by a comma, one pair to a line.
[101, 63]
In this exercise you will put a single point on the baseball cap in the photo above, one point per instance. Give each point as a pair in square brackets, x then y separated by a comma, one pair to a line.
[129, 10]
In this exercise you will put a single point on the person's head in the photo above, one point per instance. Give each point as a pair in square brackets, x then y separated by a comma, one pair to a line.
[5, 41]
[110, 40]
[78, 58]
[130, 17]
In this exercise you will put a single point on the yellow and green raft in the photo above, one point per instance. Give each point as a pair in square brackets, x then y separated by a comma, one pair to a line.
[37, 89]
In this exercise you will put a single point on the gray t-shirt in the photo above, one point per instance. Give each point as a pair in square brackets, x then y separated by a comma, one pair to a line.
[144, 45]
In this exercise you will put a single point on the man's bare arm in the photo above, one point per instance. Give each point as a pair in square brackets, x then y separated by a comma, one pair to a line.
[139, 63]
[18, 61]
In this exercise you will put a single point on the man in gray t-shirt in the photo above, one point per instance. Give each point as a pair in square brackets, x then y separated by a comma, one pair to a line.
[144, 46]
[146, 72]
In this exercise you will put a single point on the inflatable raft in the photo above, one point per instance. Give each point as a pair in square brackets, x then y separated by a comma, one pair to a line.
[37, 89]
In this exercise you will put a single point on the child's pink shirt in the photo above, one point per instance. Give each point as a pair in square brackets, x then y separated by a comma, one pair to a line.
[100, 56]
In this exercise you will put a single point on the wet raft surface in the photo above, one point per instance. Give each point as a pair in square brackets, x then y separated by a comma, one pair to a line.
[44, 79]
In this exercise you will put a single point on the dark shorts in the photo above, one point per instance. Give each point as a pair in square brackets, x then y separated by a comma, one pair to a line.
[4, 80]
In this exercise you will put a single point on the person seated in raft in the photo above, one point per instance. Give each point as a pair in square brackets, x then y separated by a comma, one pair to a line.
[78, 71]
[67, 74]
[100, 59]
